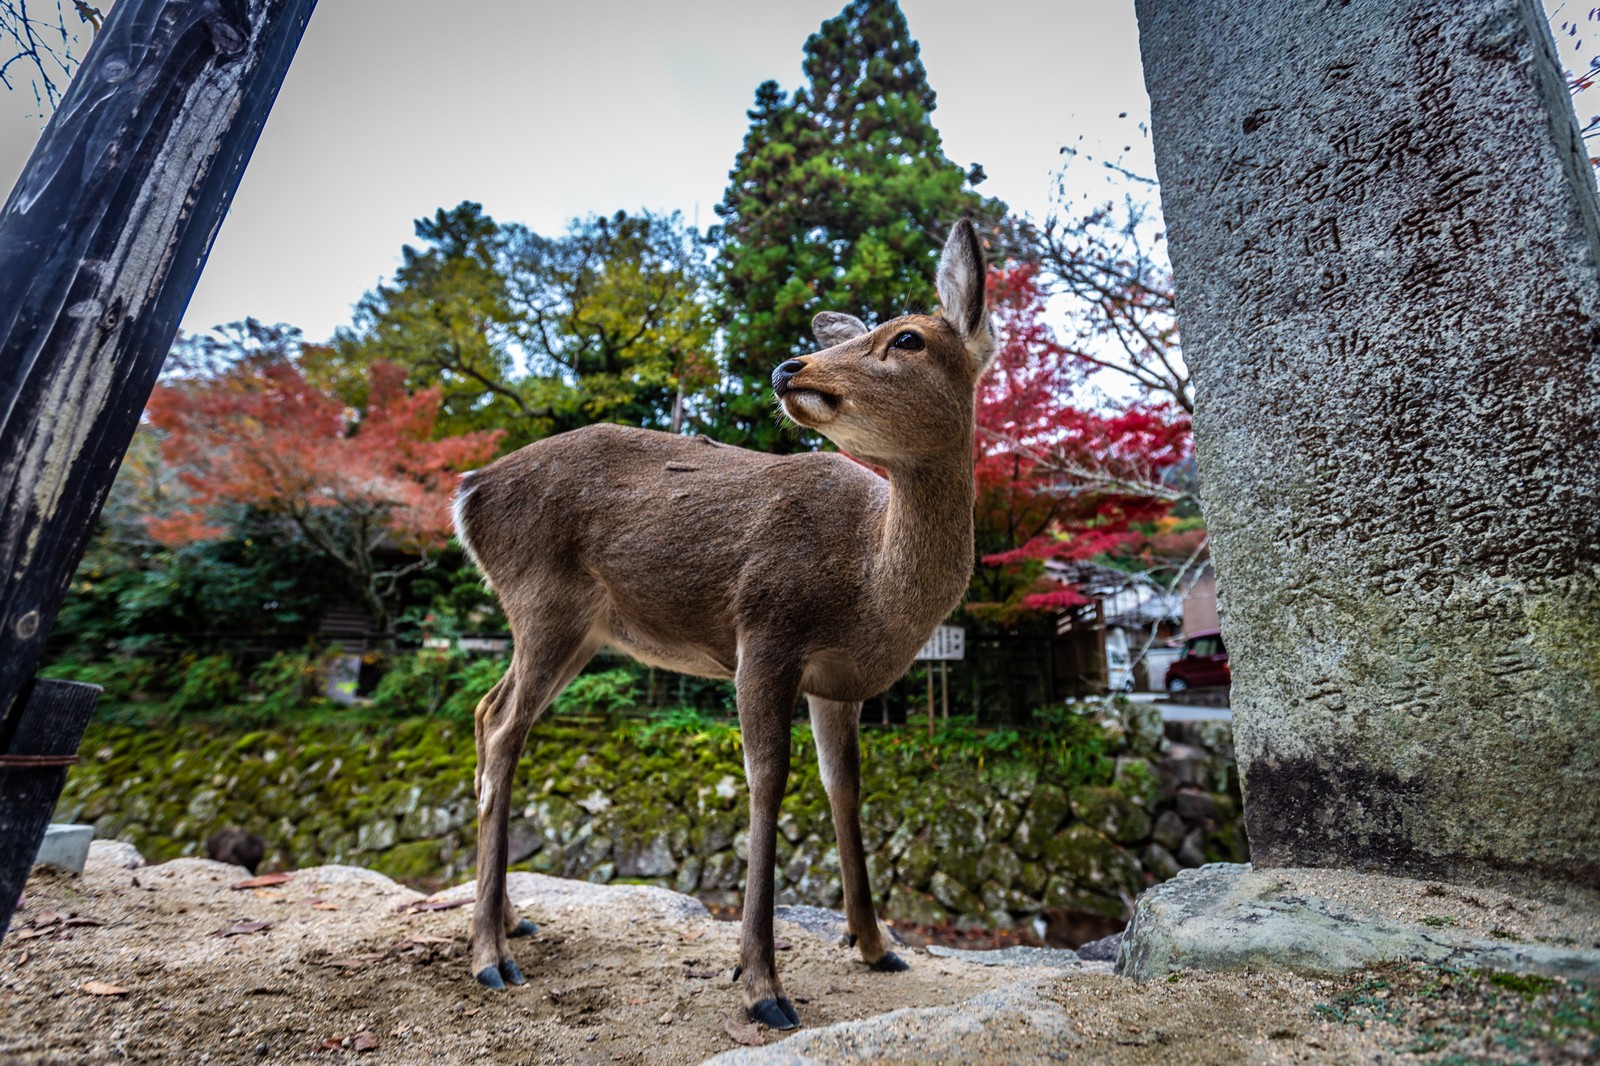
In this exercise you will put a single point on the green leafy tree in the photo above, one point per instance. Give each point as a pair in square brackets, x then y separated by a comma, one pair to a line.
[612, 318]
[532, 334]
[840, 200]
[445, 318]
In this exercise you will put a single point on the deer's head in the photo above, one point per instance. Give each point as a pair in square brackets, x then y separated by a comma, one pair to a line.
[905, 389]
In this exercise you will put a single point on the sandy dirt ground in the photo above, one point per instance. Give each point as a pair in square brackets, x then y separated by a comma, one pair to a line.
[176, 963]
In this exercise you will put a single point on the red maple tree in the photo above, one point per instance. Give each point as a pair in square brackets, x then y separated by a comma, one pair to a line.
[1056, 480]
[368, 489]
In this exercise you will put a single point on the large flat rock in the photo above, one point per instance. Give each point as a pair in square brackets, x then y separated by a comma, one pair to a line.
[1320, 922]
[1015, 1023]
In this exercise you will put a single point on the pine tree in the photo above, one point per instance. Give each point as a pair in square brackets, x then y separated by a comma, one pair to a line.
[840, 200]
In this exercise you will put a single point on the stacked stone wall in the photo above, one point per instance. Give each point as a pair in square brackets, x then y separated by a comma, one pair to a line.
[951, 834]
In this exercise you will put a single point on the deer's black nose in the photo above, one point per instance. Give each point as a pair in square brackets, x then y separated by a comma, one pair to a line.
[786, 371]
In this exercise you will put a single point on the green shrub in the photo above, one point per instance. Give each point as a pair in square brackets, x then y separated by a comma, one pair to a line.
[663, 728]
[418, 683]
[288, 680]
[208, 682]
[605, 693]
[472, 681]
[124, 680]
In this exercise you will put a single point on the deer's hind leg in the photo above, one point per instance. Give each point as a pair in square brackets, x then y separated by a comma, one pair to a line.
[548, 654]
[834, 725]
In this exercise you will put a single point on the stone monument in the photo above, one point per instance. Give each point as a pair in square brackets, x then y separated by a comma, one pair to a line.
[1386, 240]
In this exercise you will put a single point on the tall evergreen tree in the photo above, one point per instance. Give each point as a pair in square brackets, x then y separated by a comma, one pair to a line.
[840, 200]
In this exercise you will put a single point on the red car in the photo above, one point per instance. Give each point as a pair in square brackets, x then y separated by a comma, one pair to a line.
[1204, 663]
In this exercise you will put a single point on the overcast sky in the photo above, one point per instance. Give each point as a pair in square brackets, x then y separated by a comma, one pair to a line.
[544, 112]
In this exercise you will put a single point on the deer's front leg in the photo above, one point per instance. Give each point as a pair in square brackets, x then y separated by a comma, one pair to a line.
[839, 757]
[766, 700]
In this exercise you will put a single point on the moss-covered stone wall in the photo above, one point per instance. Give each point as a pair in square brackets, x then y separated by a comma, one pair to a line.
[965, 830]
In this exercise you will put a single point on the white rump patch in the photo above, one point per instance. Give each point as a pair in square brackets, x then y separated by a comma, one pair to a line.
[458, 517]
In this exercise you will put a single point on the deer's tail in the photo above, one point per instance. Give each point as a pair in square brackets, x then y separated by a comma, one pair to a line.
[461, 512]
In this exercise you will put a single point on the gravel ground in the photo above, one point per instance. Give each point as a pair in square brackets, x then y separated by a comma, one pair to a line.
[175, 963]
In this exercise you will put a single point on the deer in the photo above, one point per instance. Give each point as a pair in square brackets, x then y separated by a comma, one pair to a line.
[802, 574]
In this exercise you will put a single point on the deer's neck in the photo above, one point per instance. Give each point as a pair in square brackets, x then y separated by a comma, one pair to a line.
[924, 557]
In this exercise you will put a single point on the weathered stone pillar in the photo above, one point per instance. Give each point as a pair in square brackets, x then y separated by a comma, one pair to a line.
[1384, 227]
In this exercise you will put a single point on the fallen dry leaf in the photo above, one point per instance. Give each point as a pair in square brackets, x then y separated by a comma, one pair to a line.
[333, 1043]
[28, 934]
[426, 939]
[324, 906]
[782, 945]
[24, 957]
[366, 1040]
[244, 928]
[747, 1033]
[263, 881]
[692, 935]
[102, 988]
[470, 1011]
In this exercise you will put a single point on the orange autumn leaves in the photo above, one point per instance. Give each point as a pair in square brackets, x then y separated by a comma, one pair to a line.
[263, 437]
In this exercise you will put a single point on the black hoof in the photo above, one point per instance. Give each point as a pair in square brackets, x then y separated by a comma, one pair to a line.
[513, 976]
[524, 928]
[774, 1013]
[890, 963]
[489, 977]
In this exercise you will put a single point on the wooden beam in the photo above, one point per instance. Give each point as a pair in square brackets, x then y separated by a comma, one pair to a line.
[101, 243]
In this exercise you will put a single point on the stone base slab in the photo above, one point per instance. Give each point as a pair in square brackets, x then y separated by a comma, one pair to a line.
[1317, 922]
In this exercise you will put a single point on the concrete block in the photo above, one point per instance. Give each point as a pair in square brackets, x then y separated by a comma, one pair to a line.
[65, 847]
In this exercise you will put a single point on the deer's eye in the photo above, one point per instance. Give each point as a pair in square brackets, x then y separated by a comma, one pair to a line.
[907, 341]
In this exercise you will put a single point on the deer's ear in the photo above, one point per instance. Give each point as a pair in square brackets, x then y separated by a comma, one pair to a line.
[831, 327]
[960, 285]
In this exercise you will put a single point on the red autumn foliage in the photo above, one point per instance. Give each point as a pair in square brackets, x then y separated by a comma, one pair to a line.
[261, 436]
[1056, 481]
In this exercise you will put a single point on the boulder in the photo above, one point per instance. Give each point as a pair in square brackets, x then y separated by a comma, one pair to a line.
[1112, 813]
[1322, 922]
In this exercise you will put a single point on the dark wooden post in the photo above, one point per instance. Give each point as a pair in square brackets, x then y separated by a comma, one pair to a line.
[101, 244]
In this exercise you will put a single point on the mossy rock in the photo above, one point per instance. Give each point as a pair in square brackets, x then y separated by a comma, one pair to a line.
[1048, 808]
[722, 870]
[1111, 813]
[958, 828]
[1067, 895]
[1000, 864]
[997, 900]
[1092, 862]
[914, 908]
[414, 861]
[953, 894]
[916, 866]
[1003, 819]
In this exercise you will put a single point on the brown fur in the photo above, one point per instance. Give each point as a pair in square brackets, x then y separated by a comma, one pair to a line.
[789, 574]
